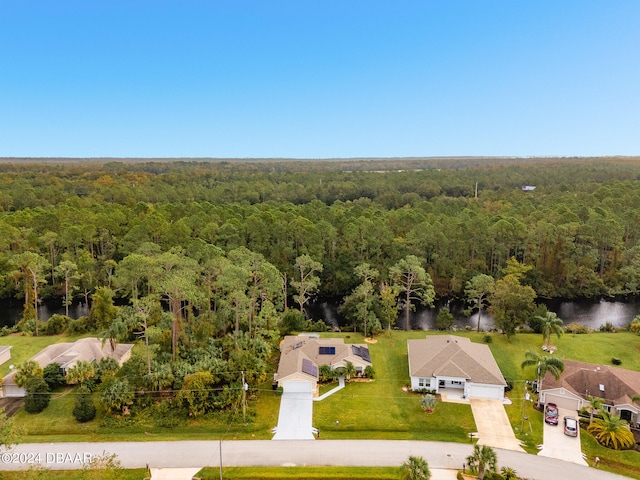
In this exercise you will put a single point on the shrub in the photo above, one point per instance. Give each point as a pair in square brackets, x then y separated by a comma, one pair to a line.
[634, 326]
[38, 395]
[279, 391]
[608, 327]
[84, 409]
[576, 328]
[79, 326]
[53, 376]
[292, 321]
[444, 320]
[56, 324]
[369, 372]
[616, 361]
[509, 386]
[488, 338]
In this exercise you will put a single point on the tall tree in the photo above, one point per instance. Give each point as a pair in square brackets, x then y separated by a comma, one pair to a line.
[306, 281]
[30, 269]
[388, 306]
[67, 270]
[477, 291]
[411, 279]
[511, 302]
[175, 278]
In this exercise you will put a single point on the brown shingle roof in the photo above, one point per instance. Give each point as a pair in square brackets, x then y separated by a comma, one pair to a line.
[585, 379]
[453, 356]
[296, 348]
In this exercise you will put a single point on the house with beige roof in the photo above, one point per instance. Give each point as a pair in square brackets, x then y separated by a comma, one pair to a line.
[455, 363]
[301, 357]
[67, 355]
[618, 388]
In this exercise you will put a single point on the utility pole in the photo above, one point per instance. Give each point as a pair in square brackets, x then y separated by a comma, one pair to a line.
[220, 459]
[245, 387]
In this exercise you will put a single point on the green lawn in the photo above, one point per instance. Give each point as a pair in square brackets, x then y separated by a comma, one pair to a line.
[380, 409]
[331, 473]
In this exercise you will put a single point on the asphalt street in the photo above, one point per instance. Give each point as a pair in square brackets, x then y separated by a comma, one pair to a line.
[67, 456]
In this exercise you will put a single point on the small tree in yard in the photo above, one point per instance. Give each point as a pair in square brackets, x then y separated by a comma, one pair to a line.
[38, 395]
[26, 371]
[116, 394]
[444, 320]
[369, 372]
[349, 370]
[612, 432]
[416, 468]
[428, 402]
[482, 460]
[84, 409]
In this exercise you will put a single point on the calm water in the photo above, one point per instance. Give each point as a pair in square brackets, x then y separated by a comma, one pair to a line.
[590, 313]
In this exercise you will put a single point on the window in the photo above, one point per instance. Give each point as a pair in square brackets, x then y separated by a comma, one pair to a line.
[424, 382]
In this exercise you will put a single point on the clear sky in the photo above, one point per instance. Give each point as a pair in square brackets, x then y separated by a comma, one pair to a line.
[319, 78]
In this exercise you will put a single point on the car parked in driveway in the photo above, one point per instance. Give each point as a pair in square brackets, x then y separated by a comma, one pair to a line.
[551, 414]
[571, 426]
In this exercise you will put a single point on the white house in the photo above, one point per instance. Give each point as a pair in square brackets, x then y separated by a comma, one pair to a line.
[452, 362]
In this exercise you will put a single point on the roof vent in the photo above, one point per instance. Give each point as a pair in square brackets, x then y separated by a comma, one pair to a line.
[601, 387]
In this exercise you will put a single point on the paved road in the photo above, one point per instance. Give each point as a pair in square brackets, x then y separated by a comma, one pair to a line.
[184, 454]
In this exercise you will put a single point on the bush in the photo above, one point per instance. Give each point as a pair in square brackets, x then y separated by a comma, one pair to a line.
[38, 395]
[444, 320]
[79, 326]
[279, 391]
[608, 327]
[84, 409]
[488, 338]
[576, 328]
[53, 376]
[634, 326]
[509, 386]
[56, 324]
[292, 321]
[369, 372]
[616, 361]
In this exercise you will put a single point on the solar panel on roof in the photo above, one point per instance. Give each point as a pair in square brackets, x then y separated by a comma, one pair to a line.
[327, 350]
[362, 352]
[309, 368]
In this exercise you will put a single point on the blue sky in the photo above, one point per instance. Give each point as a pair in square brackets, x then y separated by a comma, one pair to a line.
[319, 79]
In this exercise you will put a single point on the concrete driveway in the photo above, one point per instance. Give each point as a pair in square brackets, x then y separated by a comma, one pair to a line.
[558, 445]
[492, 422]
[296, 412]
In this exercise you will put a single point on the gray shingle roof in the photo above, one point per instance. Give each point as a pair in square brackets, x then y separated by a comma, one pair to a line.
[453, 356]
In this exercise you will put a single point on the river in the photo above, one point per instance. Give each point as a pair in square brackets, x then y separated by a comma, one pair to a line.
[591, 313]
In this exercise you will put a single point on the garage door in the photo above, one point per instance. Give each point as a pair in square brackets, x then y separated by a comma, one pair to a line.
[486, 391]
[562, 402]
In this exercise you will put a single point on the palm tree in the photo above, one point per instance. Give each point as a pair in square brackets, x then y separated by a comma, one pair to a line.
[595, 404]
[428, 402]
[612, 432]
[509, 473]
[416, 468]
[82, 371]
[482, 460]
[544, 364]
[550, 323]
[349, 370]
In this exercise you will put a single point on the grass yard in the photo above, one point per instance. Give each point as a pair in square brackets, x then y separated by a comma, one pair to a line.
[381, 409]
[36, 474]
[275, 473]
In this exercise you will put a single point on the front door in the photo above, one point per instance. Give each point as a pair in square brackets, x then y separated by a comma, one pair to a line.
[625, 415]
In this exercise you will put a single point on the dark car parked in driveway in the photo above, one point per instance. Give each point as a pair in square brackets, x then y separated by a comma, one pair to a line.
[551, 414]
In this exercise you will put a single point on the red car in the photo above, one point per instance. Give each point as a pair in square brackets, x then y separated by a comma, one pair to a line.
[551, 414]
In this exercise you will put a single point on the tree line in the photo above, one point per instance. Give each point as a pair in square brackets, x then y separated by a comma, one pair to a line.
[207, 264]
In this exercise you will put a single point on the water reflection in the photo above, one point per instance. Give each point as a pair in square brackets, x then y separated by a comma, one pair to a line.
[590, 313]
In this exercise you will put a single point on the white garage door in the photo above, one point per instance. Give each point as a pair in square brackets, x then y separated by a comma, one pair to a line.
[486, 391]
[562, 402]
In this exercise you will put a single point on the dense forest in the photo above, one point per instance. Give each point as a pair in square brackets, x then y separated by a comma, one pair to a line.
[207, 263]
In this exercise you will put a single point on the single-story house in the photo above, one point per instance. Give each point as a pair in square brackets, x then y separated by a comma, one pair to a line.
[5, 354]
[301, 357]
[67, 355]
[453, 362]
[616, 386]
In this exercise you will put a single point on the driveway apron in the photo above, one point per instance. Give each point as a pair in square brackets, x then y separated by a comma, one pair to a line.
[492, 422]
[558, 445]
[296, 412]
